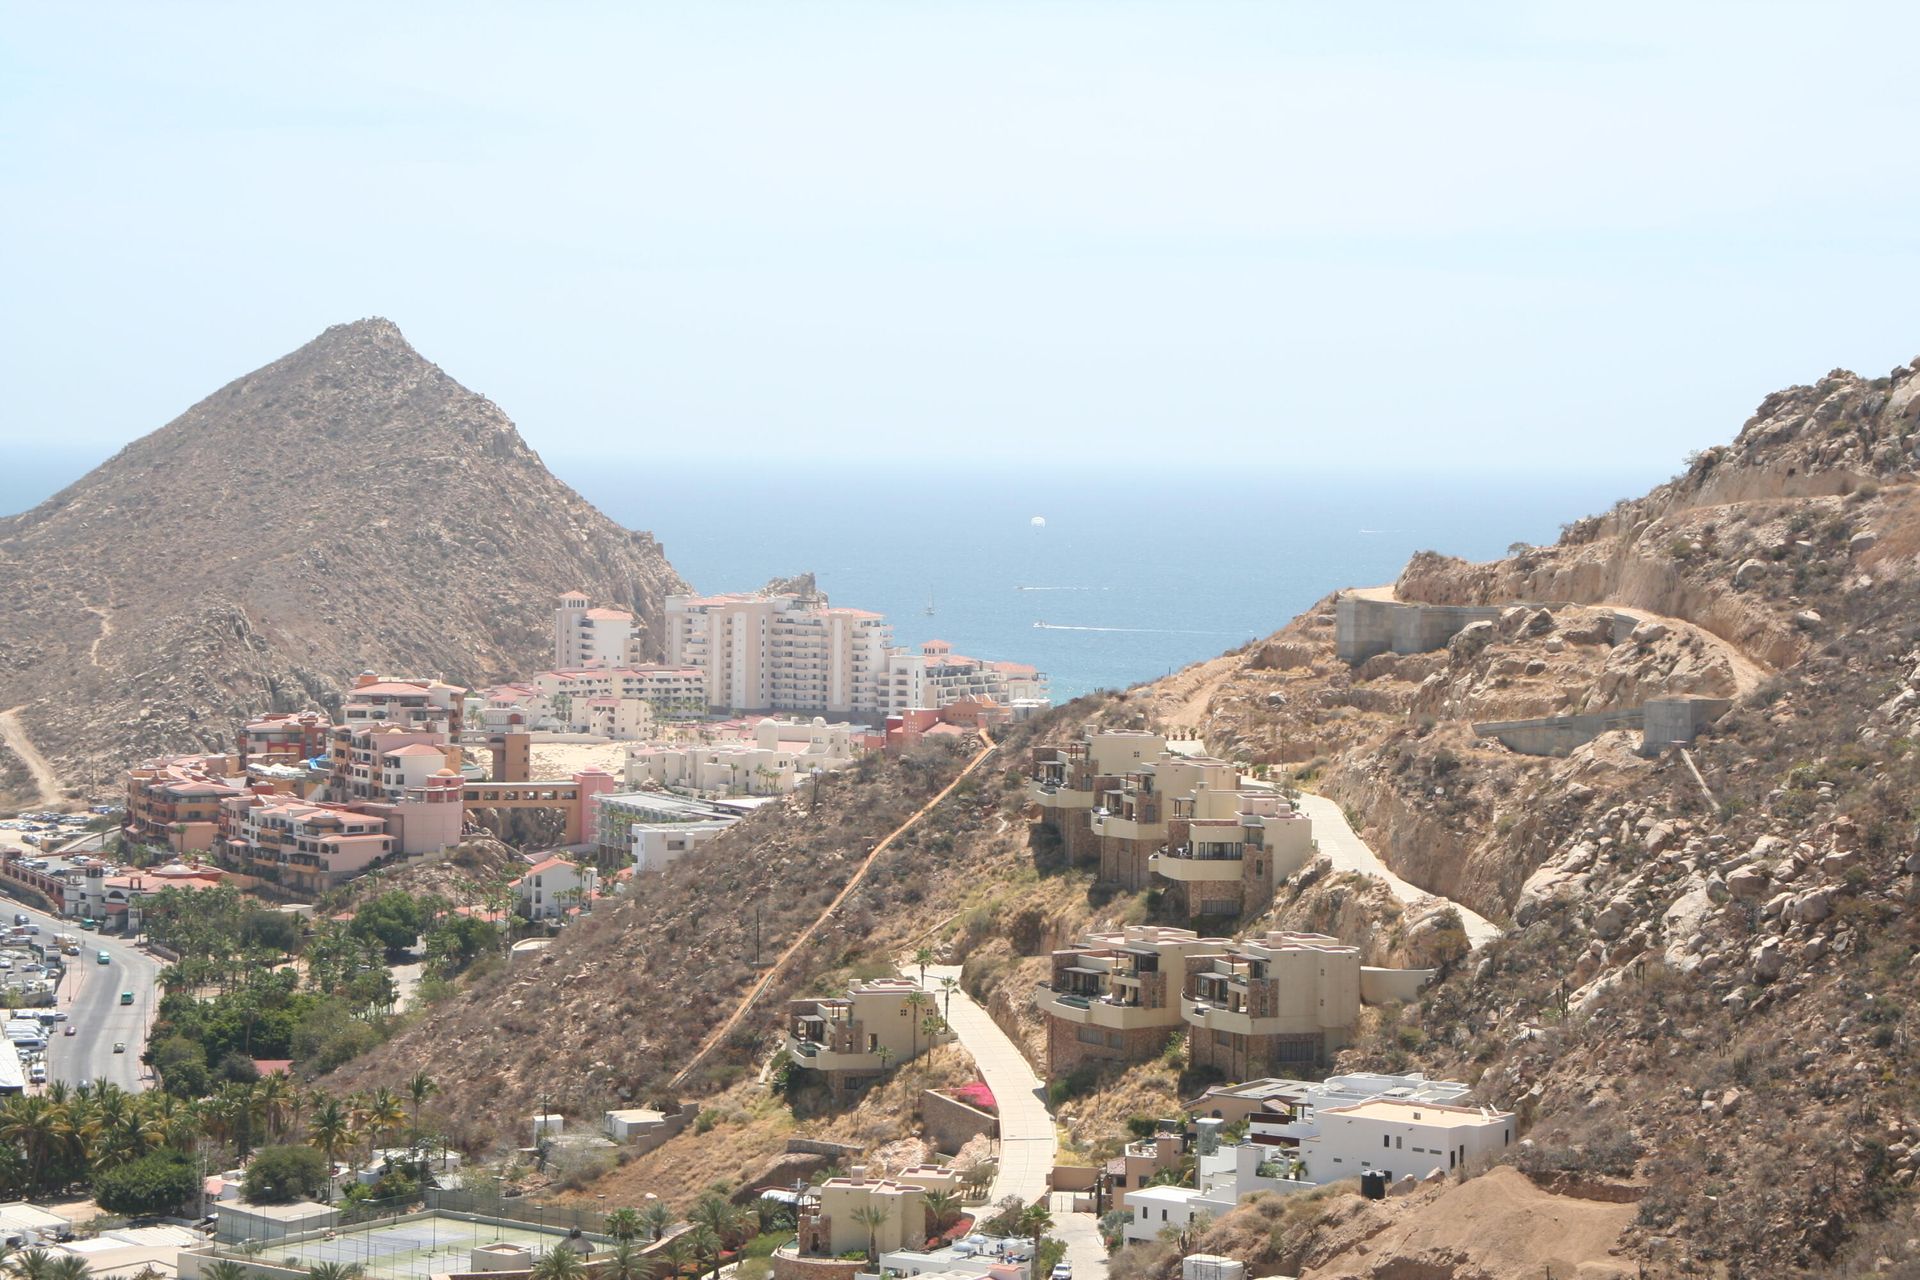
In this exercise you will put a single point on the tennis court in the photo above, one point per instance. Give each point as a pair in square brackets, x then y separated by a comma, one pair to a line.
[408, 1250]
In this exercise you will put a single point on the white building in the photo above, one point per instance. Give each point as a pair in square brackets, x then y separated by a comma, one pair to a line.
[1305, 1133]
[584, 636]
[552, 887]
[563, 700]
[776, 757]
[1399, 1137]
[937, 677]
[780, 652]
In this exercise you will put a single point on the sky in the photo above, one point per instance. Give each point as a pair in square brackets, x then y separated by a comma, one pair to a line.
[973, 235]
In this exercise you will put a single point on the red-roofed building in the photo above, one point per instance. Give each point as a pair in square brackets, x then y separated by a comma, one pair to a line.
[552, 886]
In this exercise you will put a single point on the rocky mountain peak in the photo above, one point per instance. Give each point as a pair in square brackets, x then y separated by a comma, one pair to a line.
[347, 505]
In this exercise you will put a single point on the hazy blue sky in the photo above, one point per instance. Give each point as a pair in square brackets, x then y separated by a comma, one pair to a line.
[1528, 235]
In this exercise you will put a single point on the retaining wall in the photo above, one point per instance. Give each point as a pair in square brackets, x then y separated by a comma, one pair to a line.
[951, 1123]
[1392, 986]
[1557, 735]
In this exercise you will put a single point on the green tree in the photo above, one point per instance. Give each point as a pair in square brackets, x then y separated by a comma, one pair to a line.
[624, 1224]
[872, 1217]
[922, 958]
[1035, 1221]
[224, 1269]
[334, 1271]
[916, 1001]
[280, 1175]
[419, 1088]
[656, 1218]
[626, 1262]
[161, 1182]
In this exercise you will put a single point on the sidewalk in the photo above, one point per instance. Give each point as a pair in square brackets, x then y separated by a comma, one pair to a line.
[1028, 1146]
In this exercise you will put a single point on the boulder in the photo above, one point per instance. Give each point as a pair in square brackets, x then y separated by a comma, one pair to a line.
[1611, 920]
[1808, 620]
[1811, 907]
[1767, 961]
[1749, 884]
[1749, 572]
[1650, 631]
[1862, 541]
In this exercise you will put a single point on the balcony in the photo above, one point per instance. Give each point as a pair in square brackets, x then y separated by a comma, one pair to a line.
[817, 1057]
[1051, 795]
[1214, 1017]
[1189, 868]
[1100, 1011]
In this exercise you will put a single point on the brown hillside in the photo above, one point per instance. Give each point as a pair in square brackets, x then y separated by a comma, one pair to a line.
[347, 506]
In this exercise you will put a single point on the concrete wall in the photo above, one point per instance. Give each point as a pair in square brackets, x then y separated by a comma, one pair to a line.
[821, 1147]
[1392, 986]
[1676, 721]
[951, 1123]
[1557, 735]
[1664, 722]
[1363, 628]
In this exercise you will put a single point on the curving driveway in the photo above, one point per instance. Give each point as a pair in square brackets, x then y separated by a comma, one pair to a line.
[1340, 845]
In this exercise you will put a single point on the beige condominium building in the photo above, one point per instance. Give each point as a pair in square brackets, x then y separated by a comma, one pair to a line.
[1227, 849]
[837, 1219]
[1272, 1001]
[852, 1038]
[1067, 778]
[780, 652]
[1116, 996]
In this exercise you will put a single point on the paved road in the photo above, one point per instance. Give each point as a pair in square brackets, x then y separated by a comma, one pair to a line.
[1348, 852]
[91, 997]
[1028, 1142]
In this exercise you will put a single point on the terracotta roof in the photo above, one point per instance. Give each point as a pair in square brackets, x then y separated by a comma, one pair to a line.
[600, 615]
[415, 749]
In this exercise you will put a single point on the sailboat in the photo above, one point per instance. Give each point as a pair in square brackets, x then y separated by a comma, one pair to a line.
[929, 604]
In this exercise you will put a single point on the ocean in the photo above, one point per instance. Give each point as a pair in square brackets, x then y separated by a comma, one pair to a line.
[1131, 575]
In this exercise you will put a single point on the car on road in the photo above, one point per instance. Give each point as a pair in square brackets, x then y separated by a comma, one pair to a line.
[126, 997]
[38, 1074]
[119, 1046]
[71, 1029]
[1062, 1271]
[102, 957]
[21, 917]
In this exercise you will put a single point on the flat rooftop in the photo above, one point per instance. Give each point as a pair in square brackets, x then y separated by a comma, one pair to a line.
[433, 1245]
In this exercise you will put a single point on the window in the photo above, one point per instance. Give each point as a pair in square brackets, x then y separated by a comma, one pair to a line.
[1385, 1141]
[1398, 1143]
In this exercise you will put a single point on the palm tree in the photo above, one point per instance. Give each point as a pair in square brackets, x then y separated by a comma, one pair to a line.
[943, 1210]
[923, 957]
[224, 1270]
[419, 1089]
[872, 1217]
[38, 1127]
[1034, 1221]
[885, 1055]
[274, 1096]
[70, 1266]
[656, 1218]
[383, 1114]
[329, 1128]
[948, 985]
[559, 1263]
[678, 1252]
[334, 1271]
[623, 1224]
[933, 1026]
[706, 1245]
[626, 1262]
[915, 1003]
[34, 1264]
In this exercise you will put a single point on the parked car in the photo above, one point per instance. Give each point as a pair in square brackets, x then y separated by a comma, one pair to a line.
[21, 917]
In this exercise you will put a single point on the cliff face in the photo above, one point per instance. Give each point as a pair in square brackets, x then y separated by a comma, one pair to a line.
[347, 506]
